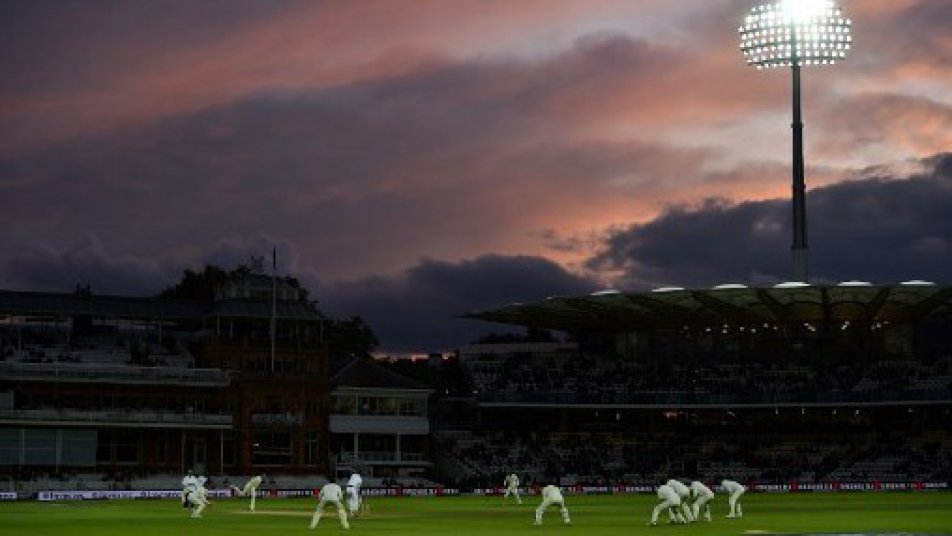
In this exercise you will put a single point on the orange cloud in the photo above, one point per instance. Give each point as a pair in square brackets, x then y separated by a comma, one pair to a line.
[434, 128]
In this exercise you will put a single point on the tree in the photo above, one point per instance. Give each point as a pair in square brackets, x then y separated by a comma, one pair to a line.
[202, 285]
[350, 337]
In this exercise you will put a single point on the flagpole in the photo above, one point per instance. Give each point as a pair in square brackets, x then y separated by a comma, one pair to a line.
[274, 300]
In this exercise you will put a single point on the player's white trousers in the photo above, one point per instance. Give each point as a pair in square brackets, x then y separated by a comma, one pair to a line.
[514, 492]
[702, 502]
[734, 502]
[197, 502]
[547, 503]
[671, 506]
[247, 491]
[320, 510]
[686, 510]
[353, 499]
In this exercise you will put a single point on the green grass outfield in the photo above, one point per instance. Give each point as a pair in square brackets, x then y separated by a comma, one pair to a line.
[861, 512]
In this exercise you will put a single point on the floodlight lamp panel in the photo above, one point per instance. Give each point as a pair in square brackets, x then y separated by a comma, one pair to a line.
[782, 33]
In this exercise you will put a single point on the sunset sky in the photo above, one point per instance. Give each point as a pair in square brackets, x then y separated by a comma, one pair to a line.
[416, 159]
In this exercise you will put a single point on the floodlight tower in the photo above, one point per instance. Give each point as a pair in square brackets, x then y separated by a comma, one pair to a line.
[795, 33]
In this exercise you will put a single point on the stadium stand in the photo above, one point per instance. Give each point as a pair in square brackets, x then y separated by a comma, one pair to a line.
[764, 386]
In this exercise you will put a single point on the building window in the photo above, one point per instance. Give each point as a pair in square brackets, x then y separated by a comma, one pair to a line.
[162, 450]
[229, 449]
[345, 404]
[411, 407]
[312, 448]
[272, 447]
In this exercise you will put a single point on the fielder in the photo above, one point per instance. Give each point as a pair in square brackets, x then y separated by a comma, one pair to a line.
[670, 500]
[330, 493]
[189, 483]
[552, 495]
[198, 497]
[734, 490]
[250, 490]
[511, 483]
[685, 494]
[701, 495]
[353, 493]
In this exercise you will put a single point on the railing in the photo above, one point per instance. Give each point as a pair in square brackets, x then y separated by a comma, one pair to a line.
[139, 417]
[369, 424]
[283, 419]
[86, 372]
[684, 398]
[402, 412]
[380, 456]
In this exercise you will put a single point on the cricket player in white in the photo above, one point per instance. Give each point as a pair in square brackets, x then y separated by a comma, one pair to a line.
[512, 487]
[189, 483]
[197, 497]
[353, 493]
[701, 495]
[685, 494]
[552, 495]
[671, 501]
[330, 493]
[250, 490]
[734, 490]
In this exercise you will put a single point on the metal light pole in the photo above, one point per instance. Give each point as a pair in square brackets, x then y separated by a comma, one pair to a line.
[795, 33]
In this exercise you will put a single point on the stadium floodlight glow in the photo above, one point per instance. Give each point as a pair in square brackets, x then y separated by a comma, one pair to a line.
[802, 10]
[793, 33]
[796, 33]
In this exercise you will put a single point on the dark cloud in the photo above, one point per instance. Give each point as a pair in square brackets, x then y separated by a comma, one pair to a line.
[236, 251]
[419, 310]
[89, 262]
[44, 268]
[364, 175]
[881, 228]
[135, 136]
[46, 46]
